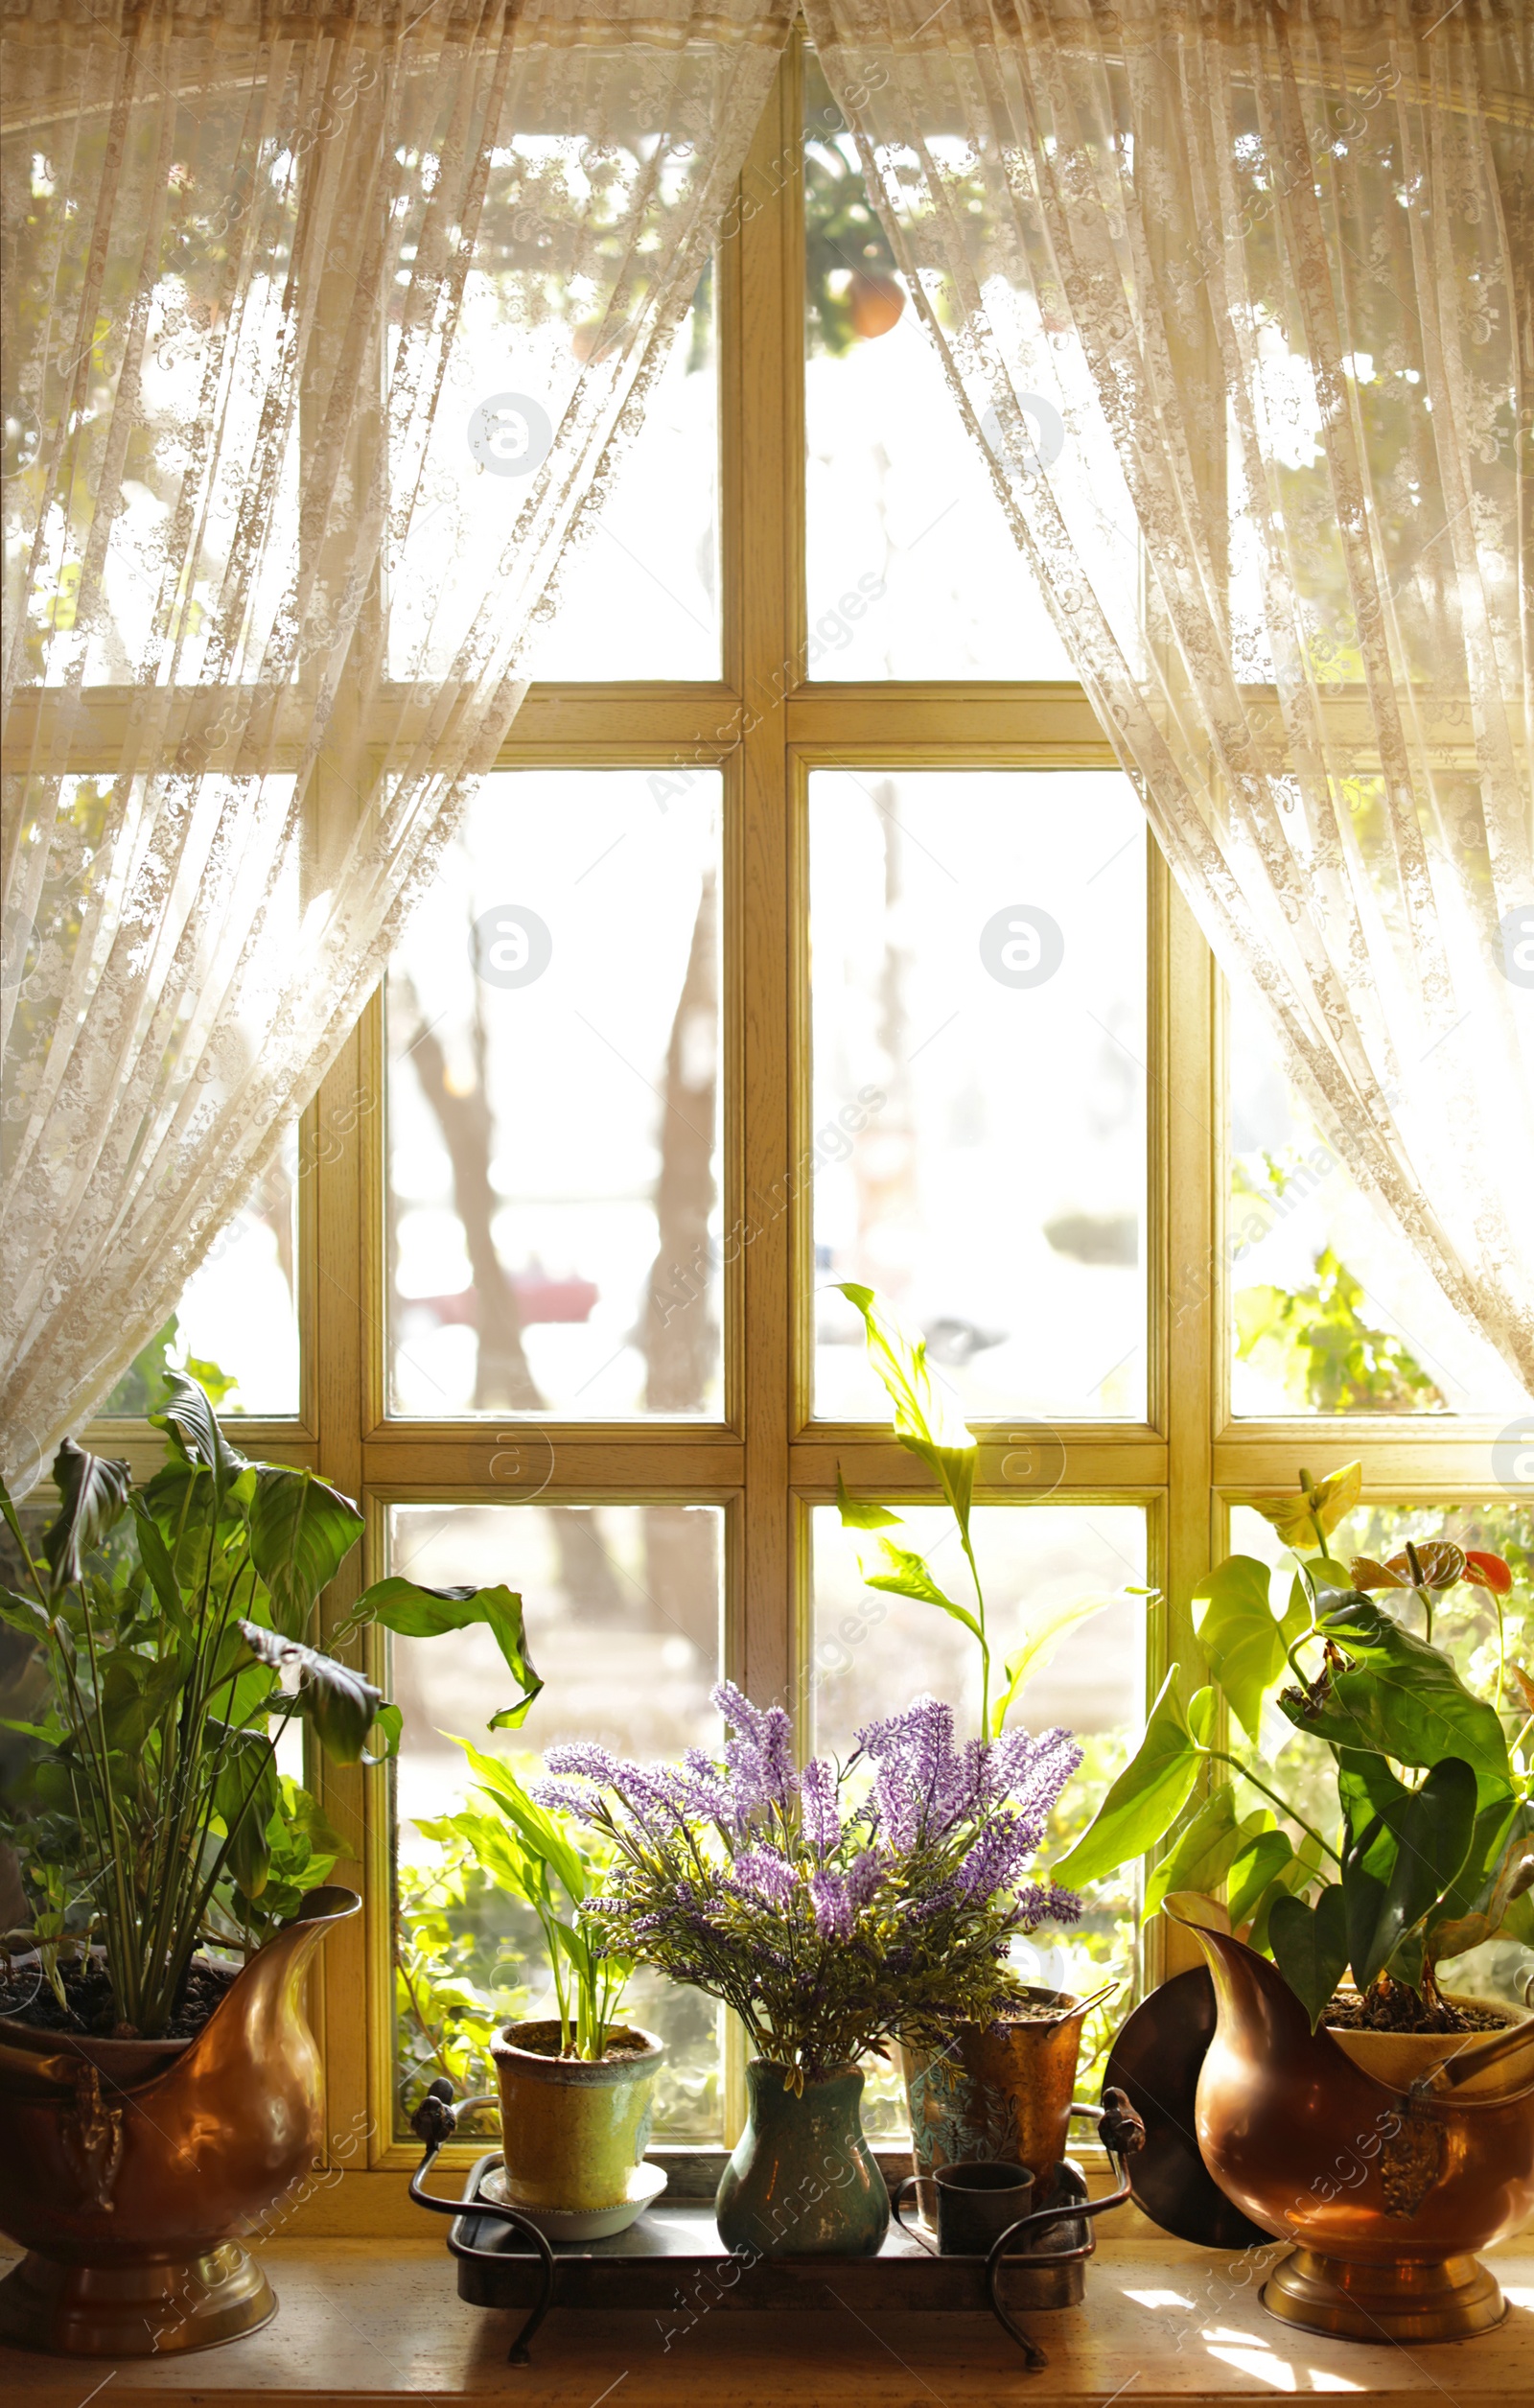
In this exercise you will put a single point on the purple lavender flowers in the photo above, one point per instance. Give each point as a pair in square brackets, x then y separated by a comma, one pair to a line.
[833, 1908]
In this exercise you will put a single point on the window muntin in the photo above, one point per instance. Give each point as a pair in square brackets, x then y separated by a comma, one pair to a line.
[549, 1256]
[977, 981]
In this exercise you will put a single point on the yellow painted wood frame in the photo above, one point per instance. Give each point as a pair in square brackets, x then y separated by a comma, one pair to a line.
[767, 1461]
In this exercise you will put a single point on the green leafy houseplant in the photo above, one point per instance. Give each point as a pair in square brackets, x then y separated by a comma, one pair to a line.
[537, 1856]
[150, 1816]
[928, 1426]
[1427, 1854]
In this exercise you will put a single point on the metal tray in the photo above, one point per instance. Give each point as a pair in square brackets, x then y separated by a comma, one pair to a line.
[673, 2263]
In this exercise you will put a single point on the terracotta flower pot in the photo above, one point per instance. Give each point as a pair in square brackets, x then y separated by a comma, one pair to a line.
[572, 2131]
[128, 2167]
[1321, 2140]
[998, 2090]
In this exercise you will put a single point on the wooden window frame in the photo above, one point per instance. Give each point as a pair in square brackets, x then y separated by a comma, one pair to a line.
[766, 1462]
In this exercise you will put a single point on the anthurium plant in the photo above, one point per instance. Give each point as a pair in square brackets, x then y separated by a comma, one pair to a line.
[928, 1425]
[540, 1858]
[1430, 1852]
[175, 1620]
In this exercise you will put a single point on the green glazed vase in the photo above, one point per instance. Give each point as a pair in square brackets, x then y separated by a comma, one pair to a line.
[803, 2181]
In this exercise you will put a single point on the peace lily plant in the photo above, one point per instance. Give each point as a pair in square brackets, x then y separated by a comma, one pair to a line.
[175, 1623]
[1429, 1853]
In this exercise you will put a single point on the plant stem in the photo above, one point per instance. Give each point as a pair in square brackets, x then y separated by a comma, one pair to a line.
[1274, 1798]
[985, 1645]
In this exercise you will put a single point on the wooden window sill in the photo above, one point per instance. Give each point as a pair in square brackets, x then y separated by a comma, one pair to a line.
[367, 2322]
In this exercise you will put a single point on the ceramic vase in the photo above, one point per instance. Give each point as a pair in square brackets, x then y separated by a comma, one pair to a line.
[803, 2181]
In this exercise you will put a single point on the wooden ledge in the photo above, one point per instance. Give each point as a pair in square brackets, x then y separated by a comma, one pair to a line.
[372, 2322]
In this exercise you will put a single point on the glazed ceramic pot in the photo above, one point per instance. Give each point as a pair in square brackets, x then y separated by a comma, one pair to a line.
[998, 2090]
[1324, 2139]
[573, 2133]
[130, 2168]
[803, 2181]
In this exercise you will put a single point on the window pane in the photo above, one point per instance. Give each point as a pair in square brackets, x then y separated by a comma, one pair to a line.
[554, 1110]
[1465, 1626]
[978, 973]
[871, 1653]
[236, 1325]
[910, 566]
[623, 1609]
[639, 595]
[1332, 1310]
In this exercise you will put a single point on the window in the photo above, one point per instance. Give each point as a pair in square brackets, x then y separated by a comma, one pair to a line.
[799, 937]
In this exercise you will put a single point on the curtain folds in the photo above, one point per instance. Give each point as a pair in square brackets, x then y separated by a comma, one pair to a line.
[1238, 295]
[328, 328]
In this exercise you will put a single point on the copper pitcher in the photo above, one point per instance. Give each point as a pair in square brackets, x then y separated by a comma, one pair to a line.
[1387, 2185]
[128, 2168]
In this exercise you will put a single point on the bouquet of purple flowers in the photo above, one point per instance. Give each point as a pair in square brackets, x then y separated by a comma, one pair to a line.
[833, 1908]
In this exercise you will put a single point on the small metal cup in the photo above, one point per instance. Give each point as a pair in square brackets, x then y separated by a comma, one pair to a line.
[978, 2200]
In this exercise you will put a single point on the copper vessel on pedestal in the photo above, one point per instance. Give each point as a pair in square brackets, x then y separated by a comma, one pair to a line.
[1388, 2184]
[131, 2171]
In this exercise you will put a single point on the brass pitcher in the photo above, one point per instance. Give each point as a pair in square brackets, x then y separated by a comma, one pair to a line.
[1000, 2091]
[128, 2169]
[1387, 2184]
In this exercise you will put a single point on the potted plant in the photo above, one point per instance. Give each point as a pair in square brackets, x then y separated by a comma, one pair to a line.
[158, 2083]
[1426, 1854]
[577, 2088]
[832, 1908]
[999, 2087]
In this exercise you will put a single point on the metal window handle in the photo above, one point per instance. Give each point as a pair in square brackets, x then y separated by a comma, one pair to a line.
[435, 2121]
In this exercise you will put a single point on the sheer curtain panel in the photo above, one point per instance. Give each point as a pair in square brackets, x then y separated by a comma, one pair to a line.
[1237, 297]
[327, 326]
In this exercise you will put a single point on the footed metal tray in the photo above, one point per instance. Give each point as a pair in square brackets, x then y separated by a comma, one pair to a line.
[672, 2262]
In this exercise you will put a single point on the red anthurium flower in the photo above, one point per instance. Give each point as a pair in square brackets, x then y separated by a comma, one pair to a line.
[1488, 1572]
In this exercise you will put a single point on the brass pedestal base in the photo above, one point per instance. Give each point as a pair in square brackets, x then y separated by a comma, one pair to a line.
[135, 2311]
[1452, 2300]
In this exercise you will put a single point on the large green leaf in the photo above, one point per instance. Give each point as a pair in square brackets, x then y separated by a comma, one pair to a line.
[340, 1703]
[301, 1532]
[1260, 1860]
[1474, 1906]
[192, 1425]
[927, 1420]
[534, 1824]
[1042, 1634]
[1402, 1698]
[1310, 1946]
[1400, 1865]
[248, 1795]
[413, 1612]
[1146, 1799]
[1203, 1850]
[92, 1491]
[1242, 1642]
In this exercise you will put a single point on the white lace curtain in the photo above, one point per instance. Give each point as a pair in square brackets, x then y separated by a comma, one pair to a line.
[327, 326]
[1239, 295]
